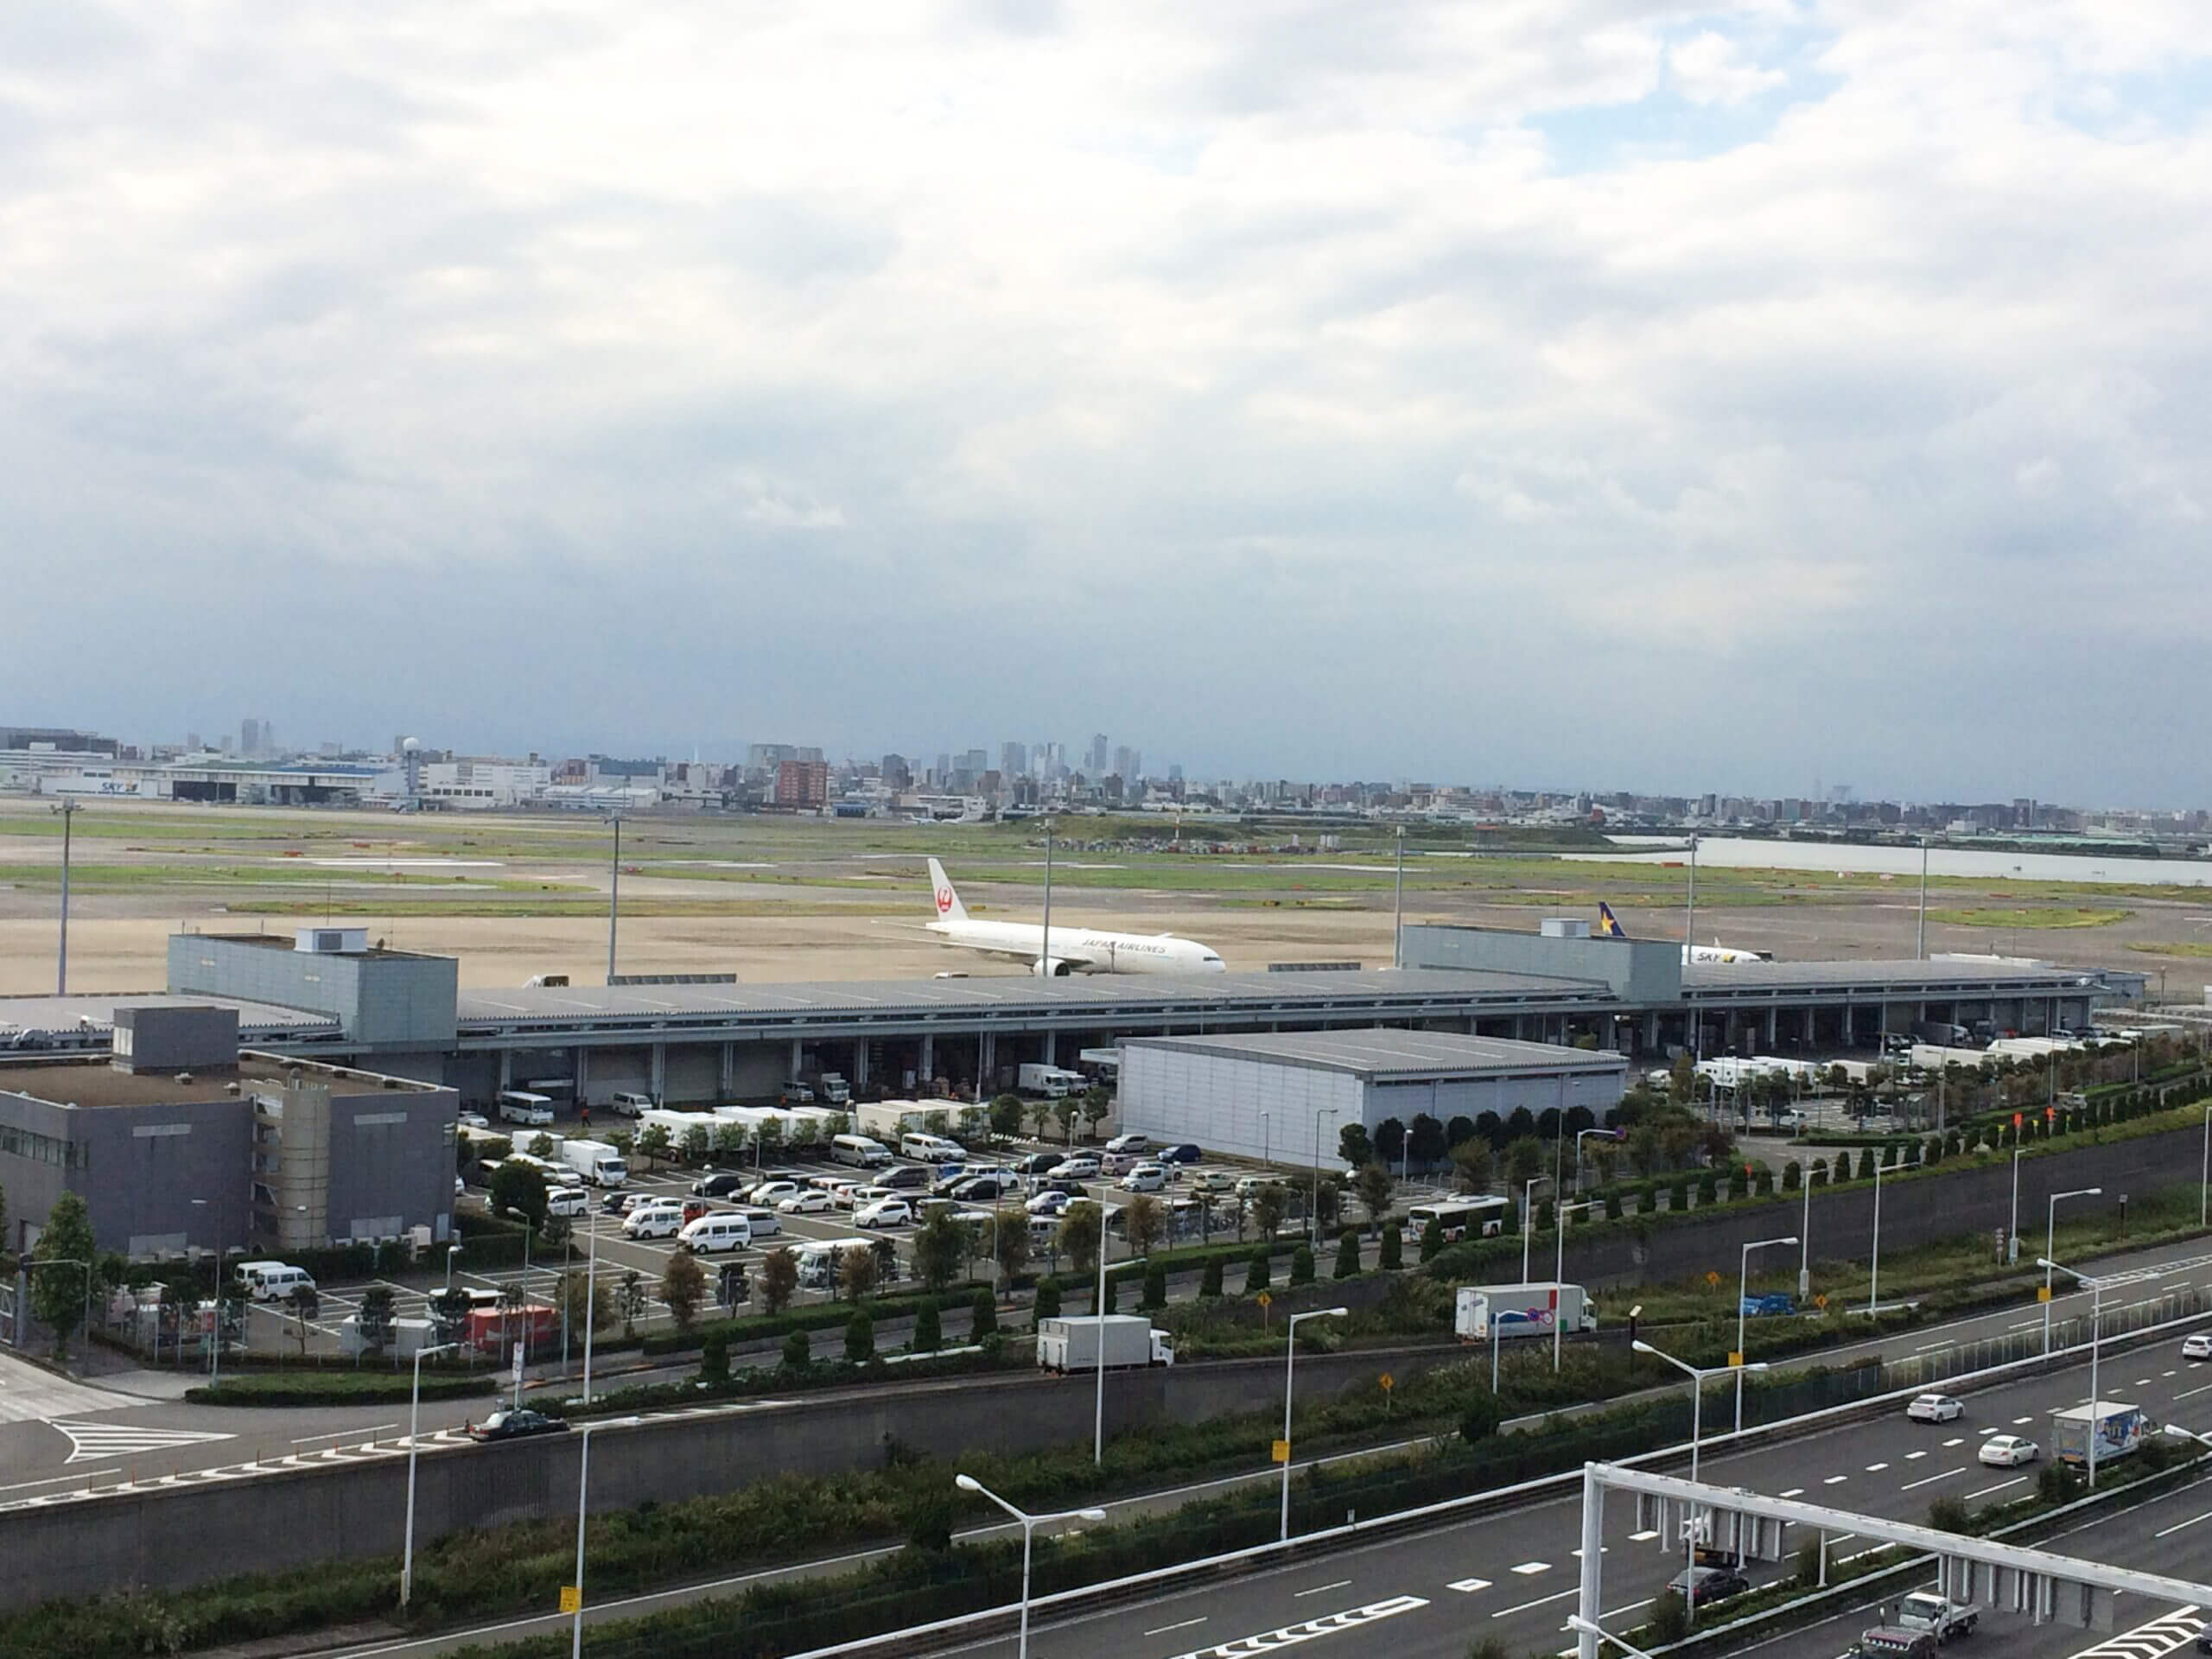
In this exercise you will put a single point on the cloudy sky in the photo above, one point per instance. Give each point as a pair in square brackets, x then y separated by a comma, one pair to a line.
[1554, 391]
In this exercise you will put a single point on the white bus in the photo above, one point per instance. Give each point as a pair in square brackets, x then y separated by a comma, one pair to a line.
[520, 1106]
[1460, 1218]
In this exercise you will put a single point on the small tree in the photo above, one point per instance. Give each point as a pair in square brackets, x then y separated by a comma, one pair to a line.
[1353, 1146]
[1010, 1242]
[375, 1319]
[1048, 1302]
[1081, 1226]
[1393, 1248]
[1256, 1273]
[1375, 1188]
[983, 1317]
[1432, 1239]
[941, 1247]
[62, 1286]
[1041, 1117]
[1006, 1112]
[1389, 1140]
[1269, 1205]
[860, 1337]
[1142, 1221]
[652, 1144]
[1301, 1266]
[1546, 1215]
[1613, 1203]
[1670, 1618]
[778, 1278]
[714, 1359]
[929, 1327]
[1094, 1105]
[1471, 1164]
[1155, 1286]
[633, 1301]
[1792, 1177]
[519, 1188]
[683, 1286]
[1210, 1278]
[856, 1272]
[1348, 1255]
[1867, 1164]
[1480, 1420]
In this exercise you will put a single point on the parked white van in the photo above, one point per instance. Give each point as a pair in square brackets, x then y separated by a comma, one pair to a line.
[653, 1220]
[859, 1150]
[273, 1281]
[723, 1230]
[626, 1104]
[930, 1148]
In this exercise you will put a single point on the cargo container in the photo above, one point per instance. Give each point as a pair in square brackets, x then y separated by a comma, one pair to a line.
[2119, 1430]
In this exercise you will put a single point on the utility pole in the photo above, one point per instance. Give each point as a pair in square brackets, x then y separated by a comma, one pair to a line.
[61, 963]
[1044, 951]
[1689, 922]
[1398, 906]
[614, 900]
[1920, 949]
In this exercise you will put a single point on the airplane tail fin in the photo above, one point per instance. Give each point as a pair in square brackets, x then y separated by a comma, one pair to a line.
[1609, 925]
[949, 907]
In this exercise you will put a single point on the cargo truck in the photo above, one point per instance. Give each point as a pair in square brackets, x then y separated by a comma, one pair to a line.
[594, 1161]
[1940, 1617]
[1521, 1311]
[2119, 1430]
[1129, 1339]
[1049, 1081]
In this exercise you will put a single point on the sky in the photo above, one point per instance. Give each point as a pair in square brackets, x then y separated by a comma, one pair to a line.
[1560, 392]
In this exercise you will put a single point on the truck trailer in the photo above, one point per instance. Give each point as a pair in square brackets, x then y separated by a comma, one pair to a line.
[1129, 1340]
[1521, 1311]
[2119, 1430]
[594, 1161]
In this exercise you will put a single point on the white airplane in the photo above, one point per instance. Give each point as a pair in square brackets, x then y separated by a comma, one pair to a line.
[1609, 927]
[1075, 949]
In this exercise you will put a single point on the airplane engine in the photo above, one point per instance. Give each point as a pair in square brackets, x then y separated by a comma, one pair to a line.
[1051, 968]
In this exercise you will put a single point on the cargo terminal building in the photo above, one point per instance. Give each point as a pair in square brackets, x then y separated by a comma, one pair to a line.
[327, 992]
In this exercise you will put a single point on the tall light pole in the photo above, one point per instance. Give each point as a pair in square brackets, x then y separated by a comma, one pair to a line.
[215, 1368]
[583, 1485]
[1267, 1146]
[614, 898]
[1098, 1313]
[2051, 1247]
[2012, 1234]
[1558, 1273]
[69, 809]
[1398, 906]
[1743, 1293]
[1689, 919]
[1805, 1245]
[1029, 1525]
[591, 1296]
[1580, 1136]
[1697, 1376]
[2204, 1175]
[1313, 1215]
[1045, 939]
[414, 1428]
[1527, 1221]
[1582, 1626]
[1920, 951]
[2096, 1288]
[1874, 1260]
[1289, 1374]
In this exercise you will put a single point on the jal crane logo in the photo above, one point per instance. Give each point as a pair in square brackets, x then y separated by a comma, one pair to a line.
[945, 901]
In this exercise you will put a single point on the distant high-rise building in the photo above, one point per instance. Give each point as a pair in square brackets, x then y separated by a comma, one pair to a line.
[1127, 763]
[1097, 758]
[975, 763]
[1013, 759]
[249, 737]
[801, 783]
[897, 775]
[1175, 774]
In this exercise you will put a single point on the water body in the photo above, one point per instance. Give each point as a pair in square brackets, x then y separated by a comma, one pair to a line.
[1730, 852]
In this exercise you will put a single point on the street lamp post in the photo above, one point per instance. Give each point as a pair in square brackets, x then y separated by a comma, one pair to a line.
[613, 897]
[1874, 1259]
[1098, 1313]
[1580, 1136]
[414, 1429]
[1313, 1215]
[1805, 1245]
[2050, 1247]
[1743, 1291]
[1528, 1222]
[452, 1251]
[1582, 1626]
[1697, 1376]
[2012, 1234]
[591, 1298]
[1029, 1525]
[215, 1362]
[583, 1485]
[1558, 1273]
[2096, 1287]
[1289, 1374]
[2204, 1174]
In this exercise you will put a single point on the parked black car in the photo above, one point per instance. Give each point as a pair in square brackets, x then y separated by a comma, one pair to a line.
[1188, 1152]
[725, 1184]
[511, 1424]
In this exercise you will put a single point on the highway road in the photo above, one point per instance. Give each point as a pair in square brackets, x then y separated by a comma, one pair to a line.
[1513, 1576]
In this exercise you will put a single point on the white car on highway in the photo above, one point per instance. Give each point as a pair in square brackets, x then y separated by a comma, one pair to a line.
[884, 1212]
[2198, 1346]
[804, 1204]
[1934, 1408]
[2008, 1451]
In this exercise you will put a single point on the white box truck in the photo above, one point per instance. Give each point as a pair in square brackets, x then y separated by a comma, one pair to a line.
[1130, 1338]
[2119, 1430]
[594, 1161]
[1050, 1081]
[1521, 1311]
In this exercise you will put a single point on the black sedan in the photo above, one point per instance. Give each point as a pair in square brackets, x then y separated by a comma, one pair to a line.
[1188, 1152]
[516, 1424]
[726, 1184]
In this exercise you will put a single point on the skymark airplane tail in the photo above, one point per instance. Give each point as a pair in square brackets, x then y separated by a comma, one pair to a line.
[949, 907]
[1609, 925]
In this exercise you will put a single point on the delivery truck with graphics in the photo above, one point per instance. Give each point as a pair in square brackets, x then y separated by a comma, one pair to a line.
[1521, 1311]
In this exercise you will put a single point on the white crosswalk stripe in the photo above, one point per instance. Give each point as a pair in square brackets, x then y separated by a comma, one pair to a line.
[2152, 1641]
[1292, 1635]
[91, 1441]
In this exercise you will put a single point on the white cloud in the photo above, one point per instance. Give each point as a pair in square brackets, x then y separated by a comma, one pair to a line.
[1285, 335]
[1711, 68]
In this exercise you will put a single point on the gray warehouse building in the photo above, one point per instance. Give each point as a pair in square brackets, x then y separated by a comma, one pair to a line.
[1276, 1094]
[280, 1154]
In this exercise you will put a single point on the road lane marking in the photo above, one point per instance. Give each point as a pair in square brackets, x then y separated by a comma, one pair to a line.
[2160, 1637]
[1527, 1568]
[2183, 1526]
[1835, 1480]
[96, 1442]
[1876, 1468]
[1507, 1613]
[1185, 1625]
[2018, 1480]
[2022, 1422]
[1794, 1491]
[1328, 1624]
[1320, 1589]
[95, 1474]
[2187, 1393]
[1643, 1537]
[1468, 1587]
[1914, 1457]
[1956, 1440]
[1930, 1480]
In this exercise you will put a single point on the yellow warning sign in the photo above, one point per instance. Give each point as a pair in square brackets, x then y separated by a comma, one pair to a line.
[1711, 1281]
[1820, 1301]
[1386, 1383]
[1735, 1358]
[572, 1598]
[2042, 1292]
[1264, 1300]
[1281, 1453]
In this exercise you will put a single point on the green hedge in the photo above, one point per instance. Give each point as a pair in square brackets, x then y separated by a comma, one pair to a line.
[820, 1316]
[336, 1387]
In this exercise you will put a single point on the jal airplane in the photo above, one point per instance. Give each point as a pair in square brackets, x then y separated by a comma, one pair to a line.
[1609, 927]
[1075, 949]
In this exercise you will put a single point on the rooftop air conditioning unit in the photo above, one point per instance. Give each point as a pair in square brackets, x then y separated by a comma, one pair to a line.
[332, 941]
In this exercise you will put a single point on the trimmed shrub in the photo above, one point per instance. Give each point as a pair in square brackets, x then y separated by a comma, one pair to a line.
[798, 1351]
[929, 1329]
[1393, 1248]
[1155, 1286]
[983, 1319]
[1348, 1255]
[1257, 1273]
[1301, 1266]
[1209, 1277]
[860, 1337]
[1048, 1298]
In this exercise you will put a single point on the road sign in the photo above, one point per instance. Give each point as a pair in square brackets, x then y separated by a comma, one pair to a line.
[2042, 1292]
[1386, 1383]
[1264, 1300]
[1281, 1453]
[1735, 1358]
[1712, 1281]
[572, 1598]
[1820, 1301]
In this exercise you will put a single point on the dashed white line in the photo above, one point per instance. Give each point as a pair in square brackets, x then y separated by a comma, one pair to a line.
[1527, 1569]
[1468, 1587]
[1930, 1480]
[1956, 1440]
[2022, 1422]
[1794, 1491]
[1835, 1480]
[1876, 1468]
[1320, 1589]
[1643, 1537]
[2183, 1526]
[1507, 1613]
[2018, 1480]
[1914, 1457]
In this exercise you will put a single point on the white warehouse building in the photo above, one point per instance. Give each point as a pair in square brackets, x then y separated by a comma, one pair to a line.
[1264, 1094]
